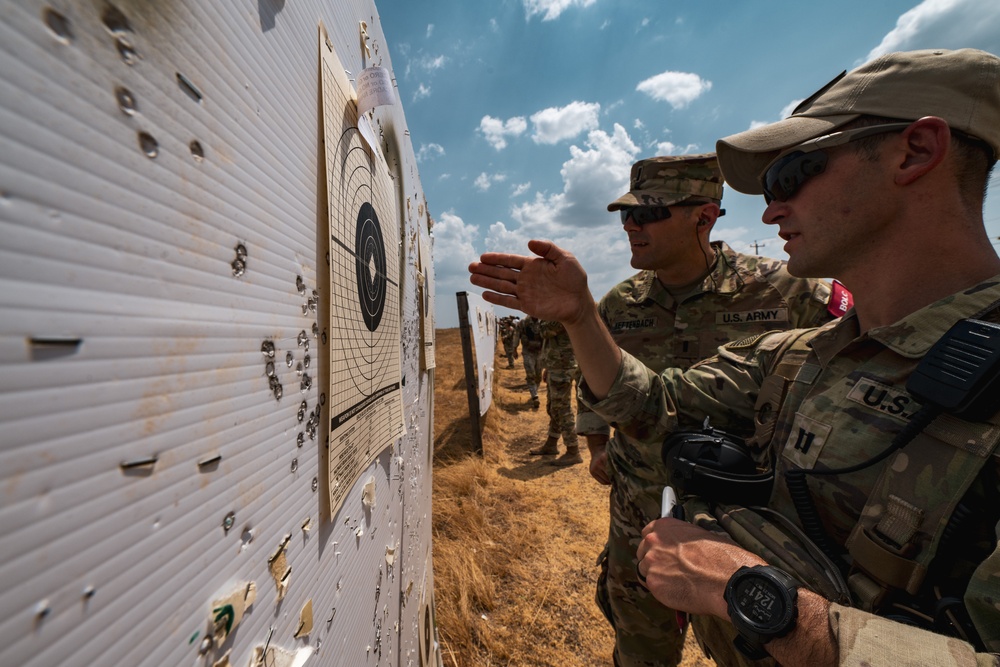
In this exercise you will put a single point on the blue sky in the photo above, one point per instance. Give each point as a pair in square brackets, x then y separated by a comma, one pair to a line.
[527, 114]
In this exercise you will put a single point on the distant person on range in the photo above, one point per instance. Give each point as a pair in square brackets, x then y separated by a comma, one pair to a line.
[508, 328]
[561, 372]
[878, 542]
[691, 296]
[528, 335]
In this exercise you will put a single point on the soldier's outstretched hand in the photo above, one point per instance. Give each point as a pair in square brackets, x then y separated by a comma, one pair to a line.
[551, 286]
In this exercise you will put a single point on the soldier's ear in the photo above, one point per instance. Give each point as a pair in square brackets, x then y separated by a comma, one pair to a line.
[707, 215]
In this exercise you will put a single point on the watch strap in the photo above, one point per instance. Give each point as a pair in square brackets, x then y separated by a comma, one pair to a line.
[752, 650]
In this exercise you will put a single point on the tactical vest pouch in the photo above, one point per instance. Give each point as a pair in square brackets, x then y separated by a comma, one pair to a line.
[775, 539]
[900, 528]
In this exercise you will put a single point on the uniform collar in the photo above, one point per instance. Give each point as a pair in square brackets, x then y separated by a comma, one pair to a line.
[724, 278]
[913, 335]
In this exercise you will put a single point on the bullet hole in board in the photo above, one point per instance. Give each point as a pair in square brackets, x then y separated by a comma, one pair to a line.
[240, 263]
[189, 88]
[58, 24]
[149, 145]
[126, 100]
[127, 52]
[115, 21]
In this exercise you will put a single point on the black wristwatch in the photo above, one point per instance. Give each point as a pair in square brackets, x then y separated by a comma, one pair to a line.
[762, 603]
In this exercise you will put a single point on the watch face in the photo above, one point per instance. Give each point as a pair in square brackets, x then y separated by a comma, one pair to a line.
[760, 601]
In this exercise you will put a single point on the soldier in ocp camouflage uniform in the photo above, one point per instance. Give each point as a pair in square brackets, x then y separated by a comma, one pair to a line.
[508, 328]
[691, 297]
[561, 370]
[878, 179]
[529, 335]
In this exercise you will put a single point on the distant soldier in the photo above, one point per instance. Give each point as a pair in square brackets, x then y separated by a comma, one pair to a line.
[508, 328]
[529, 335]
[561, 371]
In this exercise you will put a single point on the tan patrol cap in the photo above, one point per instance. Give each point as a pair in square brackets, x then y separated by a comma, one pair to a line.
[667, 180]
[962, 87]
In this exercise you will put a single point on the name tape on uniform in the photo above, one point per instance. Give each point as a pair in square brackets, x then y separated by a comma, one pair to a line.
[630, 325]
[753, 316]
[883, 398]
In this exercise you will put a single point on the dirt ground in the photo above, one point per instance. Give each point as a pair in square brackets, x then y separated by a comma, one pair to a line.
[515, 539]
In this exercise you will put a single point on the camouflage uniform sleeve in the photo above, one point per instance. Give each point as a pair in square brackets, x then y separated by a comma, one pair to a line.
[807, 298]
[648, 407]
[587, 421]
[864, 639]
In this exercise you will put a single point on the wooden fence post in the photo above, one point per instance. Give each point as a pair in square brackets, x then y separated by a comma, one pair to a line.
[471, 373]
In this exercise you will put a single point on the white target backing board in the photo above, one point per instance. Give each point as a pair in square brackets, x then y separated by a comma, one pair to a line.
[366, 408]
[484, 337]
[426, 281]
[168, 328]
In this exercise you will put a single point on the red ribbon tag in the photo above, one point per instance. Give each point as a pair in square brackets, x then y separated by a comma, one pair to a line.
[840, 300]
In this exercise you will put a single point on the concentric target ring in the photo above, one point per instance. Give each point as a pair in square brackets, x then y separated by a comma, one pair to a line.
[370, 266]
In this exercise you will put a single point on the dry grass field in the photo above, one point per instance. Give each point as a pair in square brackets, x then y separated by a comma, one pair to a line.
[515, 540]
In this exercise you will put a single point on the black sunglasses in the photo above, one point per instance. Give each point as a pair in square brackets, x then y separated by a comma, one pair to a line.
[643, 215]
[789, 171]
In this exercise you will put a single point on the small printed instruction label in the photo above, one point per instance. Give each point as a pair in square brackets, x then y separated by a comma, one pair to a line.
[374, 89]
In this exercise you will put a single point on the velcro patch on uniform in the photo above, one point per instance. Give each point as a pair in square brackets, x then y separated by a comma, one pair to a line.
[887, 400]
[805, 441]
[979, 439]
[632, 325]
[752, 316]
[745, 343]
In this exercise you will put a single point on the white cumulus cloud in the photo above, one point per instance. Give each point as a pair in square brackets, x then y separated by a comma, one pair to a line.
[551, 9]
[592, 177]
[429, 152]
[496, 130]
[577, 218]
[484, 180]
[422, 92]
[556, 124]
[519, 189]
[678, 89]
[945, 24]
[431, 63]
[454, 249]
[670, 148]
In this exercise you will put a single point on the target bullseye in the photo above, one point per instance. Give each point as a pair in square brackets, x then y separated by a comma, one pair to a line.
[369, 266]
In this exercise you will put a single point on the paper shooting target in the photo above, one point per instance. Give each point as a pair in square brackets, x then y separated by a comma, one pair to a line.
[366, 412]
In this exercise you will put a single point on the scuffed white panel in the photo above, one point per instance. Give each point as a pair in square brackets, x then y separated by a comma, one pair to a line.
[163, 296]
[482, 320]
